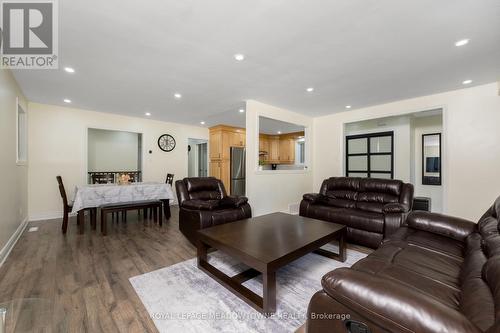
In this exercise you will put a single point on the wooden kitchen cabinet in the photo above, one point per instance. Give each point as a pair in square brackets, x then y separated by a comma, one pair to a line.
[215, 169]
[215, 145]
[222, 138]
[274, 149]
[237, 139]
[287, 150]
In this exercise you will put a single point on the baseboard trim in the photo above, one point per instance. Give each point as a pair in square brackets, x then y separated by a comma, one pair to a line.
[4, 253]
[47, 216]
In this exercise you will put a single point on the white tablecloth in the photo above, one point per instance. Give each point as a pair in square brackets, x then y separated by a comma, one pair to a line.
[95, 195]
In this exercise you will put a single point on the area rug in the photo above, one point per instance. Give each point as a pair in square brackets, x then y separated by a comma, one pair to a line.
[181, 298]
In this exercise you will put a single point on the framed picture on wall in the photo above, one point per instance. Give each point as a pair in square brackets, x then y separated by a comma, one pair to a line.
[431, 159]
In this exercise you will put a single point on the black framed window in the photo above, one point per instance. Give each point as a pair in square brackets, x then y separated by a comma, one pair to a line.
[370, 155]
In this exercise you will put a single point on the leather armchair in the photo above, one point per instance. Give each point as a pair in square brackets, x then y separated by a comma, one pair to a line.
[372, 209]
[203, 202]
[437, 273]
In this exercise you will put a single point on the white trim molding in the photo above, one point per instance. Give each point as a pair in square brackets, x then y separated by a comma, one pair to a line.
[4, 253]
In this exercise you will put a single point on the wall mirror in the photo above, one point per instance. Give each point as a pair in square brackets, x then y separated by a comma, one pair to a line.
[431, 159]
[282, 145]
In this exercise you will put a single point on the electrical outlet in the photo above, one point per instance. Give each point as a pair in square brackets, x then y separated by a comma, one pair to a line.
[33, 229]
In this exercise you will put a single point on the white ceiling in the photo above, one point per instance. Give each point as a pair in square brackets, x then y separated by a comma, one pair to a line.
[273, 126]
[130, 57]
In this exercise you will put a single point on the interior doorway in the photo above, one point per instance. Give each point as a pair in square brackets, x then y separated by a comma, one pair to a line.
[197, 158]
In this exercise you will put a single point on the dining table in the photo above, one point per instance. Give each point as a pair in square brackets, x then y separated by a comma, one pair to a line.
[95, 195]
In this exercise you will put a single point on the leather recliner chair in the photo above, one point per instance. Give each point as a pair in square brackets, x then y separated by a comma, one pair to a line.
[372, 209]
[203, 202]
[437, 273]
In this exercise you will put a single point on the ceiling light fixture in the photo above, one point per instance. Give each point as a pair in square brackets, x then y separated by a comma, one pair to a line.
[177, 95]
[279, 132]
[147, 114]
[69, 69]
[348, 106]
[202, 122]
[310, 89]
[66, 100]
[242, 110]
[462, 42]
[239, 57]
[467, 82]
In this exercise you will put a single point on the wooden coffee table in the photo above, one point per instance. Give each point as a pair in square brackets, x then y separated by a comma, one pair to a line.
[265, 244]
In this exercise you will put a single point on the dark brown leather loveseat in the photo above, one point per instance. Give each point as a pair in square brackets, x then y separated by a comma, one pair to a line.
[370, 208]
[437, 274]
[203, 202]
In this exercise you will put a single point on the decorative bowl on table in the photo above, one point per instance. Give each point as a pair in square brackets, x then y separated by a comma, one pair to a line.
[124, 179]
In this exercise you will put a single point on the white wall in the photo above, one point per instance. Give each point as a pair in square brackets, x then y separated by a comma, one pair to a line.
[14, 185]
[271, 191]
[427, 125]
[113, 150]
[58, 146]
[471, 144]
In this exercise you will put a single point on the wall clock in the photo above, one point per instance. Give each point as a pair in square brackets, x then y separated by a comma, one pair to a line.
[166, 142]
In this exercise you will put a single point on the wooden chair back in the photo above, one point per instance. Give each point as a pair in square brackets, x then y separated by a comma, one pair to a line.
[62, 191]
[170, 179]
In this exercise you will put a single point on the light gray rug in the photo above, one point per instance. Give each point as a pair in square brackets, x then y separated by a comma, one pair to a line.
[181, 298]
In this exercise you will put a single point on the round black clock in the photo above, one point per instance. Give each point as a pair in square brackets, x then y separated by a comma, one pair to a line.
[166, 142]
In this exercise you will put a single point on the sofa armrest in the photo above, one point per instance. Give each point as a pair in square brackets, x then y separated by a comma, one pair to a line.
[389, 303]
[201, 204]
[444, 225]
[312, 197]
[233, 201]
[395, 207]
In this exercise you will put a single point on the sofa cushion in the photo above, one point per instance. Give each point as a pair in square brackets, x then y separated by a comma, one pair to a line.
[394, 207]
[227, 215]
[345, 188]
[386, 186]
[203, 188]
[232, 202]
[427, 240]
[201, 204]
[334, 202]
[369, 221]
[452, 227]
[350, 217]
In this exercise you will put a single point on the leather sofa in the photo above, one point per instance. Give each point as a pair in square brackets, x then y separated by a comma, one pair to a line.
[435, 274]
[372, 209]
[203, 202]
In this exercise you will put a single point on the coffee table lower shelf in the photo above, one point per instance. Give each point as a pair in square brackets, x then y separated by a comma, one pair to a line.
[266, 304]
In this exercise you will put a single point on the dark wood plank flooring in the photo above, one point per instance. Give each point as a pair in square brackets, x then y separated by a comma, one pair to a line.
[81, 281]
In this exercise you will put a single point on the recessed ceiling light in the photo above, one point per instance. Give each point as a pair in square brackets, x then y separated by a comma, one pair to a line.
[69, 69]
[66, 100]
[279, 132]
[310, 89]
[462, 42]
[177, 95]
[348, 106]
[239, 57]
[467, 82]
[147, 114]
[202, 122]
[242, 110]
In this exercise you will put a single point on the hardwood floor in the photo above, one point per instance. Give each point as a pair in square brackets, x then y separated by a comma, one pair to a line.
[79, 283]
[82, 280]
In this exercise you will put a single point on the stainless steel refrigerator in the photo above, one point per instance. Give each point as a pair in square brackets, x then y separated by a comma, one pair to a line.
[237, 171]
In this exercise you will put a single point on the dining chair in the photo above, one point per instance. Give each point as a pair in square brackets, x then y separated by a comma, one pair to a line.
[170, 179]
[68, 206]
[165, 203]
